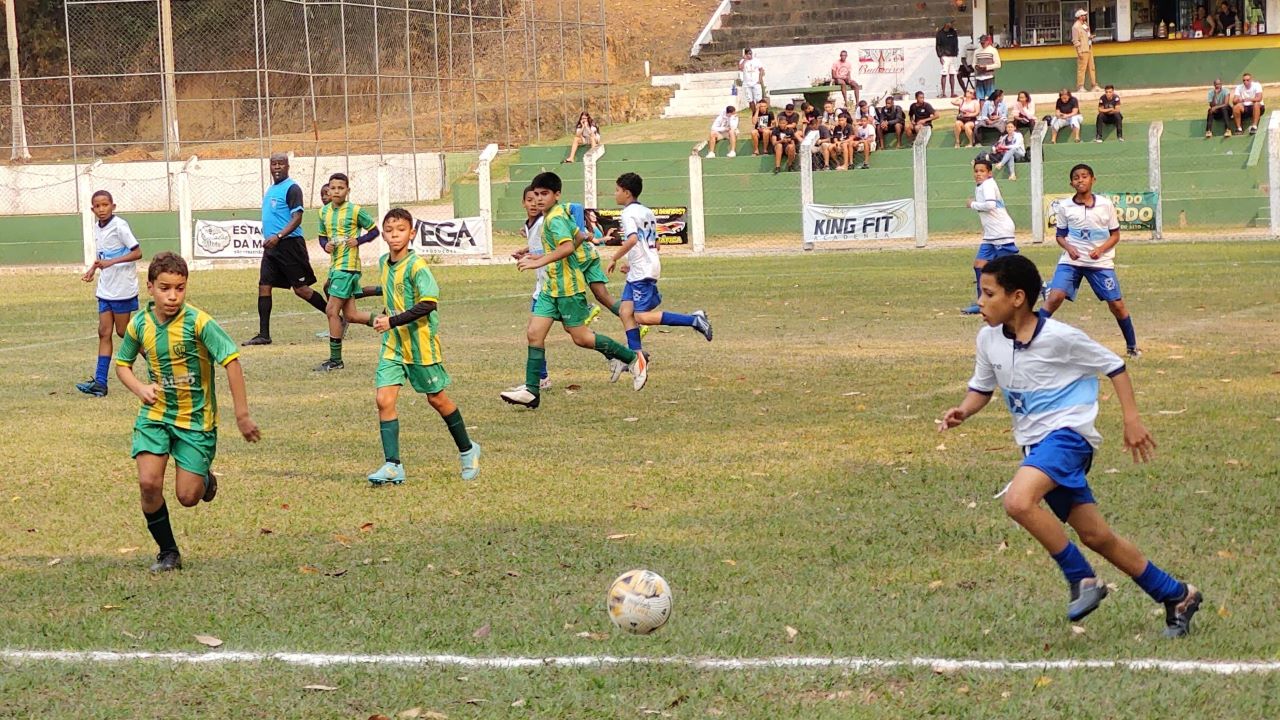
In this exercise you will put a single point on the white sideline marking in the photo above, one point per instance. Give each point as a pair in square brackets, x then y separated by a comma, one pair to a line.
[1211, 667]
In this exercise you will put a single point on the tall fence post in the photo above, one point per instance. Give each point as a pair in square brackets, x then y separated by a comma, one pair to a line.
[806, 179]
[1153, 175]
[1038, 221]
[589, 160]
[486, 196]
[186, 241]
[697, 213]
[384, 191]
[83, 190]
[920, 182]
[19, 129]
[1273, 173]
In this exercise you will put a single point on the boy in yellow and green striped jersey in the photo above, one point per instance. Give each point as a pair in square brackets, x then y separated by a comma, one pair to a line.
[341, 223]
[179, 414]
[563, 297]
[411, 349]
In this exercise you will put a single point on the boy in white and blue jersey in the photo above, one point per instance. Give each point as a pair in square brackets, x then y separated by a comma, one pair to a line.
[997, 226]
[1088, 231]
[532, 232]
[1048, 374]
[640, 296]
[118, 253]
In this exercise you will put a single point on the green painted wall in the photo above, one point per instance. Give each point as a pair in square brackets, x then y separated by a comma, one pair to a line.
[1126, 71]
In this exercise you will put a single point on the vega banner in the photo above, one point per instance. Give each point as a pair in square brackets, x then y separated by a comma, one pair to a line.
[875, 221]
[459, 236]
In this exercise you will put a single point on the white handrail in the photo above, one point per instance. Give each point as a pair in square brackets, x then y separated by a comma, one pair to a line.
[704, 37]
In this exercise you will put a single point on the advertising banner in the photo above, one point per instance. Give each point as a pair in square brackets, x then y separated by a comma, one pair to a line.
[876, 221]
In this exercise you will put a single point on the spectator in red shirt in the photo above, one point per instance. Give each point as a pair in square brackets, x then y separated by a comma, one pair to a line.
[842, 75]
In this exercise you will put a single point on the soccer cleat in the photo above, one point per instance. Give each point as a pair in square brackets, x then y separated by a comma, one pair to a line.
[210, 486]
[328, 365]
[644, 330]
[258, 339]
[167, 560]
[92, 387]
[616, 368]
[1133, 352]
[521, 396]
[323, 335]
[1178, 613]
[971, 310]
[1085, 598]
[543, 384]
[593, 314]
[639, 369]
[471, 462]
[701, 324]
[390, 472]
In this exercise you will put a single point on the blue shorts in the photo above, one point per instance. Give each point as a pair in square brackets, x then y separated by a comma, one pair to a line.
[1104, 282]
[644, 293]
[119, 307]
[990, 251]
[1065, 456]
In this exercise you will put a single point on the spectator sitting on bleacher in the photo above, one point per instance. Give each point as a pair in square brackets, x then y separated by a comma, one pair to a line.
[842, 75]
[724, 127]
[967, 110]
[1109, 114]
[1010, 148]
[829, 114]
[1247, 100]
[994, 114]
[809, 112]
[1023, 112]
[921, 115]
[784, 138]
[826, 137]
[1066, 111]
[1219, 109]
[890, 119]
[586, 133]
[841, 146]
[864, 139]
[761, 128]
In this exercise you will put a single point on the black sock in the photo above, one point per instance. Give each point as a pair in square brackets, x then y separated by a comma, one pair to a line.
[158, 524]
[264, 315]
[318, 302]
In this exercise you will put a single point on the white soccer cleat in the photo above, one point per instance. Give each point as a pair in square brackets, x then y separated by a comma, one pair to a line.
[521, 396]
[616, 368]
[544, 384]
[639, 369]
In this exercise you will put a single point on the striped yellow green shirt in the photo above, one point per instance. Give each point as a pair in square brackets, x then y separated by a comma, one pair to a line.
[338, 224]
[405, 283]
[564, 276]
[179, 355]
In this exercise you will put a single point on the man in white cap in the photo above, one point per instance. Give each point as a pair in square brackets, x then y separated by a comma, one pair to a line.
[1082, 39]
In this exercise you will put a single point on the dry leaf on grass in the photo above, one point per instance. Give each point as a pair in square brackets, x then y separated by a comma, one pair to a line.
[518, 703]
[482, 632]
[209, 640]
[342, 540]
[791, 633]
[111, 607]
[855, 393]
[936, 584]
[1233, 461]
[619, 536]
[963, 690]
[941, 446]
[1002, 546]
[474, 701]
[366, 527]
[572, 388]
[410, 713]
[309, 570]
[727, 561]
[379, 716]
[322, 688]
[1078, 629]
[592, 635]
[337, 573]
[264, 531]
[53, 562]
[127, 550]
[1226, 554]
[1043, 681]
[513, 573]
[1172, 412]
[630, 419]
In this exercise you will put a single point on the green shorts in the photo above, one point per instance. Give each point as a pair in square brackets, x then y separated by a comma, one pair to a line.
[343, 284]
[594, 272]
[571, 311]
[428, 379]
[192, 450]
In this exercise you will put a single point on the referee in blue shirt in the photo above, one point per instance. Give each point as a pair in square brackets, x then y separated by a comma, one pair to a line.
[285, 263]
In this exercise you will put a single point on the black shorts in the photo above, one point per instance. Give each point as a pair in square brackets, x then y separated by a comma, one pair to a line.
[287, 265]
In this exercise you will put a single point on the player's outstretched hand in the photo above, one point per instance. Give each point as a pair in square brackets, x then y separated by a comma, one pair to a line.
[950, 419]
[149, 393]
[612, 265]
[382, 323]
[1138, 441]
[249, 429]
[527, 263]
[520, 253]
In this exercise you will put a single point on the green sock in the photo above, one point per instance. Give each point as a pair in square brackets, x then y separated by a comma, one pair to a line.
[610, 348]
[390, 430]
[615, 306]
[161, 530]
[458, 430]
[335, 350]
[533, 368]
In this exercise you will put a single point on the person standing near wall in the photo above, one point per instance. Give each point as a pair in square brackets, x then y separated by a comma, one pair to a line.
[1082, 39]
[752, 77]
[947, 45]
[986, 60]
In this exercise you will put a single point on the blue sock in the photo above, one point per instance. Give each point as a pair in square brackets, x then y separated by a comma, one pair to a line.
[1126, 327]
[633, 338]
[676, 320]
[1073, 564]
[542, 373]
[1160, 585]
[977, 276]
[100, 374]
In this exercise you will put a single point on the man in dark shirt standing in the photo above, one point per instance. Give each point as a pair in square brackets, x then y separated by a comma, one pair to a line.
[890, 120]
[947, 45]
[921, 115]
[1109, 114]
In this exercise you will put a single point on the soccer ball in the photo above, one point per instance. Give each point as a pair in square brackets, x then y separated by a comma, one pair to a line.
[639, 601]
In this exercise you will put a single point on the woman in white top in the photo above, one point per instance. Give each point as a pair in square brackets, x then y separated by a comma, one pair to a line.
[967, 109]
[585, 132]
[1011, 148]
[1023, 112]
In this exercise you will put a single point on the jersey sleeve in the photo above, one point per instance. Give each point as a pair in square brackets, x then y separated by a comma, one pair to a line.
[220, 345]
[364, 220]
[1113, 219]
[1089, 356]
[1060, 218]
[130, 343]
[293, 198]
[984, 375]
[126, 235]
[630, 226]
[561, 229]
[424, 285]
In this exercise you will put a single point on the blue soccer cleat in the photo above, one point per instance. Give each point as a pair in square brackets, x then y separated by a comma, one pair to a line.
[1085, 598]
[471, 462]
[390, 473]
[701, 324]
[1178, 613]
[92, 387]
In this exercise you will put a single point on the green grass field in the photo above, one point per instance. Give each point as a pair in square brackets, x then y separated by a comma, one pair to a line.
[786, 475]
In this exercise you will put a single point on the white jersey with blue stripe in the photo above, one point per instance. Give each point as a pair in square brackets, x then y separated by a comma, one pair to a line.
[115, 239]
[1085, 228]
[997, 226]
[1048, 384]
[533, 235]
[643, 257]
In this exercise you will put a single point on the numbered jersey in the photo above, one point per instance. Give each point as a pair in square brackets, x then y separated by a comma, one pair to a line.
[638, 220]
